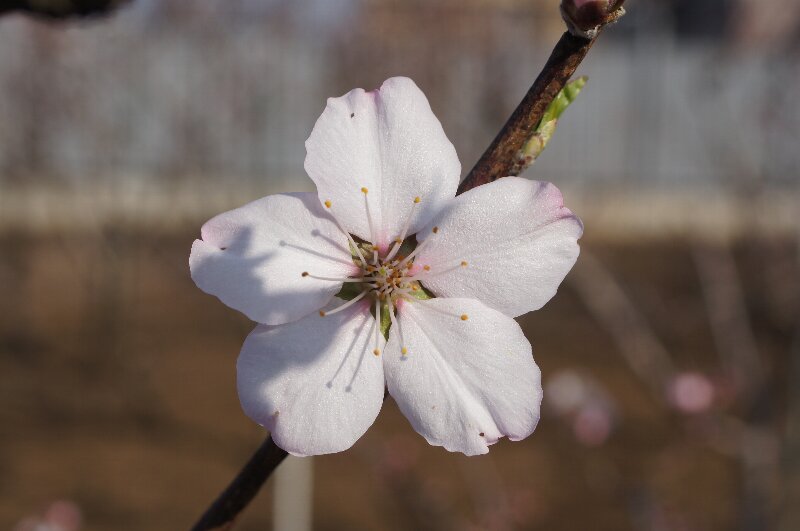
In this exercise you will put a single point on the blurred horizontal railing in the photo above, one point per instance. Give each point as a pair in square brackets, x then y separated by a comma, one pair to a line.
[609, 213]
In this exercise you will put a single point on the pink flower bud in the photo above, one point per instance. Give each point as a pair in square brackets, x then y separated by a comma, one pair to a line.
[587, 15]
[592, 425]
[691, 392]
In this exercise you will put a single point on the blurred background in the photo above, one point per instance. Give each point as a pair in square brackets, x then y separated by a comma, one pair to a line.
[670, 356]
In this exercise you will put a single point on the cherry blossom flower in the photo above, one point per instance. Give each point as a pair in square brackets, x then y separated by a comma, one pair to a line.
[385, 280]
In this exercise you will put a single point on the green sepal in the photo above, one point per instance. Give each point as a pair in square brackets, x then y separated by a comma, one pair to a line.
[563, 100]
[349, 291]
[422, 294]
[386, 320]
[547, 126]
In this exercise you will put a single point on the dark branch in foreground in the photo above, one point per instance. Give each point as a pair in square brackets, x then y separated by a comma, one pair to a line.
[60, 9]
[223, 512]
[585, 25]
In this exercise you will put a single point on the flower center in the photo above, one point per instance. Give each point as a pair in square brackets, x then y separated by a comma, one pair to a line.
[385, 280]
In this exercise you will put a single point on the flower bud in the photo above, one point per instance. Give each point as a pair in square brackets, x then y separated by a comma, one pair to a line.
[585, 17]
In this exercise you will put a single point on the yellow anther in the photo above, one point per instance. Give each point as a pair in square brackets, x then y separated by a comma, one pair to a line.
[464, 317]
[426, 268]
[321, 313]
[305, 274]
[404, 351]
[398, 240]
[364, 190]
[417, 199]
[414, 287]
[377, 352]
[435, 230]
[463, 263]
[328, 203]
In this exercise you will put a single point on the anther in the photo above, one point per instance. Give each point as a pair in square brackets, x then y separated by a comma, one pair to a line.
[364, 190]
[435, 230]
[321, 313]
[377, 352]
[328, 203]
[403, 351]
[417, 199]
[305, 274]
[426, 267]
[464, 263]
[464, 317]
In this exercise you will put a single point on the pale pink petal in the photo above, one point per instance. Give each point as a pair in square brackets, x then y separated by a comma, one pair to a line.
[463, 383]
[253, 258]
[314, 383]
[515, 236]
[389, 142]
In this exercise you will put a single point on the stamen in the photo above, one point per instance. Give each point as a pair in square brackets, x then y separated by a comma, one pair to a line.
[402, 236]
[369, 216]
[462, 316]
[345, 305]
[334, 279]
[377, 351]
[347, 234]
[427, 274]
[396, 324]
[419, 248]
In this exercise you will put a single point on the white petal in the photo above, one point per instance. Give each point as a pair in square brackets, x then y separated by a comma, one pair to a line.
[253, 258]
[517, 238]
[314, 383]
[390, 142]
[463, 384]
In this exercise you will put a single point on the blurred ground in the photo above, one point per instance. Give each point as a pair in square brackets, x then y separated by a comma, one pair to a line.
[117, 379]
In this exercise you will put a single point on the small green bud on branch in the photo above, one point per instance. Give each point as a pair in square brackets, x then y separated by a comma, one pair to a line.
[547, 126]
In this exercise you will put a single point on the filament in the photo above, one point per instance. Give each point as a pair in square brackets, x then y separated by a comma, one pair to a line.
[344, 306]
[402, 236]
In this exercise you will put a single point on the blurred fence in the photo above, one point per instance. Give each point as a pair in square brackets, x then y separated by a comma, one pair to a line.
[165, 95]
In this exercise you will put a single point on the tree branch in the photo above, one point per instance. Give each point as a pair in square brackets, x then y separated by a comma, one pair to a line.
[223, 512]
[499, 158]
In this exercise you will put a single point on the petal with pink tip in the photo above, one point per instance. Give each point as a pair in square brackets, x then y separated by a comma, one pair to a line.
[515, 236]
[253, 258]
[389, 142]
[463, 382]
[314, 383]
